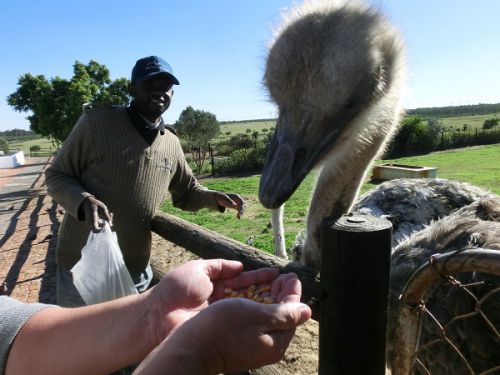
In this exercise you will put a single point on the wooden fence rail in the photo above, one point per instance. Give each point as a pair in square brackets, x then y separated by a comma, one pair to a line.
[209, 245]
[47, 151]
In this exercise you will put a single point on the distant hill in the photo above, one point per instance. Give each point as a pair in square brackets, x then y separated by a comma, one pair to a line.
[16, 133]
[451, 111]
[432, 112]
[246, 121]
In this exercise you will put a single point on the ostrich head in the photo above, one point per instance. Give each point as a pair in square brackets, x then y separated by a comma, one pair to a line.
[334, 70]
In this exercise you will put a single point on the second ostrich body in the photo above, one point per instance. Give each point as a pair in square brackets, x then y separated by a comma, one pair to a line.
[413, 204]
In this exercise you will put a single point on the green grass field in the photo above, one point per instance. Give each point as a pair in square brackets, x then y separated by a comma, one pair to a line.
[478, 165]
[472, 122]
[24, 146]
[456, 122]
[241, 128]
[451, 123]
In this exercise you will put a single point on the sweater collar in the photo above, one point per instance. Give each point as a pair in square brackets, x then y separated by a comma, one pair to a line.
[141, 122]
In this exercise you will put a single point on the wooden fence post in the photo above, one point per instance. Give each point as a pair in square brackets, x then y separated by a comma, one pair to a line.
[212, 162]
[355, 263]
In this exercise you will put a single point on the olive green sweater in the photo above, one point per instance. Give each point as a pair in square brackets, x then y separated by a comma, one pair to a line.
[106, 157]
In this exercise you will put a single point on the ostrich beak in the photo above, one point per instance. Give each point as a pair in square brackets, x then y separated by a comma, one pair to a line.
[293, 153]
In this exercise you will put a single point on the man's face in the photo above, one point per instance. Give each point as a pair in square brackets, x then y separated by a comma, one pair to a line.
[152, 97]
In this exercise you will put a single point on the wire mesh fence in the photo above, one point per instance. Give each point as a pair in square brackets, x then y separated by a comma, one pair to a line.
[449, 321]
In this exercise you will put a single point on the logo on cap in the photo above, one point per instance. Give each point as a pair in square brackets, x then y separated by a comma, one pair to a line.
[151, 66]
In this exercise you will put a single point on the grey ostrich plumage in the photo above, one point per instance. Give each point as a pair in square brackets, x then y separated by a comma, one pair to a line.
[413, 204]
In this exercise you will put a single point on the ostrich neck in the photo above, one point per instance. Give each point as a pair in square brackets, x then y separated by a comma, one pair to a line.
[338, 186]
[344, 170]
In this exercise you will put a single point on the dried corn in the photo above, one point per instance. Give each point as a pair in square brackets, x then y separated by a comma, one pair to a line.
[252, 292]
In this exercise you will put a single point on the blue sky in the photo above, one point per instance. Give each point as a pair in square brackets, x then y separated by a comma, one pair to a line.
[217, 48]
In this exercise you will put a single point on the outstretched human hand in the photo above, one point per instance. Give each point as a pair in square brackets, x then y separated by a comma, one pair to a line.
[233, 201]
[228, 336]
[231, 334]
[190, 288]
[96, 213]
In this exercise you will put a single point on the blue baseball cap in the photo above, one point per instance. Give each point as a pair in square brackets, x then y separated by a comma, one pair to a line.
[151, 66]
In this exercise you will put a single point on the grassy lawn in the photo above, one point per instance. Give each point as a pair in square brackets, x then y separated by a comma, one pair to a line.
[26, 144]
[241, 127]
[472, 121]
[254, 223]
[478, 165]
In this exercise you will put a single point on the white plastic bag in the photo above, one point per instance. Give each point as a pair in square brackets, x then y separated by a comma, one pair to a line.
[101, 275]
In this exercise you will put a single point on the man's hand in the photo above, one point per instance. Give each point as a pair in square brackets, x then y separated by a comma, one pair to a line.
[96, 213]
[233, 201]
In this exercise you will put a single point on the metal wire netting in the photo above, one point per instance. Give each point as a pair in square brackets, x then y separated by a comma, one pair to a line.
[449, 321]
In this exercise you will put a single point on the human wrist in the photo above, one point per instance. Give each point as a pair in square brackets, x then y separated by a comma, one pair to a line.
[81, 210]
[192, 355]
[138, 317]
[180, 353]
[155, 313]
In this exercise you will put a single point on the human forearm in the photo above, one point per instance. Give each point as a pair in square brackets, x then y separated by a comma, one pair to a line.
[206, 332]
[175, 356]
[90, 340]
[66, 190]
[63, 177]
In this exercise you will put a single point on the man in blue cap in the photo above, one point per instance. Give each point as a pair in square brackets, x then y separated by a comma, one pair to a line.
[119, 164]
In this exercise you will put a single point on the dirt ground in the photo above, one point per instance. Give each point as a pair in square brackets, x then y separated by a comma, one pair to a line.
[301, 357]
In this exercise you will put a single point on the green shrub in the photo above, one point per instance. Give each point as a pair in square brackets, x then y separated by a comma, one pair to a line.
[240, 141]
[243, 160]
[223, 149]
[490, 123]
[415, 137]
[4, 146]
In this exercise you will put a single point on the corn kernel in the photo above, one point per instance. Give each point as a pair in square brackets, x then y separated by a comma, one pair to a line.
[251, 293]
[268, 300]
[265, 288]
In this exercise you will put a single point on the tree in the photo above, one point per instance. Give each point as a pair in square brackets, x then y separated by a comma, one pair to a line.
[198, 128]
[4, 146]
[414, 137]
[255, 136]
[490, 123]
[240, 141]
[56, 104]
